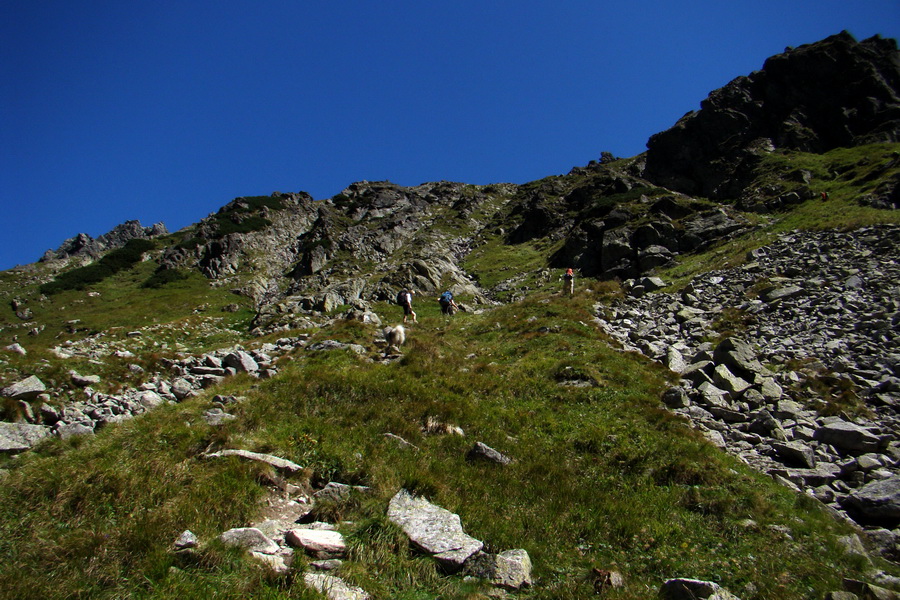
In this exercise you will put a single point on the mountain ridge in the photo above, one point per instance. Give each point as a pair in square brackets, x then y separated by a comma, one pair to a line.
[606, 234]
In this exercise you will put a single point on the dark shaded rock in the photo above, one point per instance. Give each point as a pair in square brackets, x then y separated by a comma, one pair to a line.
[484, 452]
[694, 589]
[617, 257]
[704, 228]
[675, 397]
[835, 93]
[739, 357]
[796, 453]
[876, 502]
[868, 591]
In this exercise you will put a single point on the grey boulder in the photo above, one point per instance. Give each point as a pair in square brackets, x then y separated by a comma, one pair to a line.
[694, 589]
[251, 539]
[18, 437]
[433, 529]
[27, 389]
[876, 501]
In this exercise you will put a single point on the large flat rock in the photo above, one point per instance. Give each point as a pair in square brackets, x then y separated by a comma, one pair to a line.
[18, 437]
[433, 529]
[27, 389]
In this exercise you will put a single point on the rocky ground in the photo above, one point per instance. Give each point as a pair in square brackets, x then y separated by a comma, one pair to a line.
[807, 386]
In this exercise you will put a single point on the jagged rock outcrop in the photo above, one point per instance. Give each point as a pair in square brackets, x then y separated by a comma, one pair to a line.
[83, 245]
[613, 247]
[306, 256]
[834, 93]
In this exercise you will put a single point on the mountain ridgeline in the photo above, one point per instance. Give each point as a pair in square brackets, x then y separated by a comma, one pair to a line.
[713, 413]
[614, 218]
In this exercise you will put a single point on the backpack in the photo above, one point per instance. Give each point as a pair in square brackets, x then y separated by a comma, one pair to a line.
[401, 297]
[446, 297]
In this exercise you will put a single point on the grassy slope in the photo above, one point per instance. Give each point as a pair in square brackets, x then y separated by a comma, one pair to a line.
[183, 315]
[603, 477]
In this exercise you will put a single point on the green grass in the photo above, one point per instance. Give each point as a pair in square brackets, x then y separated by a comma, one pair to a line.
[602, 476]
[495, 261]
[106, 312]
[107, 266]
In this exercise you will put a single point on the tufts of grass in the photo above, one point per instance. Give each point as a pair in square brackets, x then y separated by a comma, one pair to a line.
[110, 506]
[162, 277]
[602, 476]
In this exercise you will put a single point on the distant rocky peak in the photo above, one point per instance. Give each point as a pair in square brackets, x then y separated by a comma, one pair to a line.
[834, 93]
[85, 246]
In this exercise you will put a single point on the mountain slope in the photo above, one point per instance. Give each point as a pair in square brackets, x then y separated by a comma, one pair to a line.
[259, 329]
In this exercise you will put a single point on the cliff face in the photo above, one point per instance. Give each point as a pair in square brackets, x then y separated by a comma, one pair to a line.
[835, 93]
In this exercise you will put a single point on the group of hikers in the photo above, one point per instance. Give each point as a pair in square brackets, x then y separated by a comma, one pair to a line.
[404, 299]
[446, 301]
[449, 306]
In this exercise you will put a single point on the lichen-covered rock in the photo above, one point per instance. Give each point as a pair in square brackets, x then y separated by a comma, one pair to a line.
[433, 529]
[251, 539]
[18, 437]
[333, 587]
[513, 569]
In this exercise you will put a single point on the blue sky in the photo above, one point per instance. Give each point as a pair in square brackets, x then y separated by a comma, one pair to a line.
[165, 110]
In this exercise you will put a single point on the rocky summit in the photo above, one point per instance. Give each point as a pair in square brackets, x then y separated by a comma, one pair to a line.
[813, 98]
[709, 407]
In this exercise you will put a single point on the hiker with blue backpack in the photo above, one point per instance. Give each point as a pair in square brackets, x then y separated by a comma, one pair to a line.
[448, 305]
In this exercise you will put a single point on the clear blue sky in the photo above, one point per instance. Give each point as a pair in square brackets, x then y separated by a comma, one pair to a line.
[165, 110]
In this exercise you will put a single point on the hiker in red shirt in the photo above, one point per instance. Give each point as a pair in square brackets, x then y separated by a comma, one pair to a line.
[569, 282]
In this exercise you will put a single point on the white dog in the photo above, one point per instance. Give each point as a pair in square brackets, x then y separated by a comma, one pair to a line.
[395, 336]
